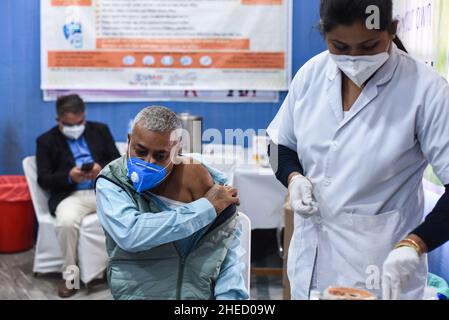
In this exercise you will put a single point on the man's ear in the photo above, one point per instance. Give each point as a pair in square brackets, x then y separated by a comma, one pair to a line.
[128, 145]
[179, 146]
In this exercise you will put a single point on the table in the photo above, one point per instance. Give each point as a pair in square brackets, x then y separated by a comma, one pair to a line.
[262, 196]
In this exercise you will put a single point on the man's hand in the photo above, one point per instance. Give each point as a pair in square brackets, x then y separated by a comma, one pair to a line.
[222, 197]
[92, 174]
[301, 197]
[400, 265]
[77, 176]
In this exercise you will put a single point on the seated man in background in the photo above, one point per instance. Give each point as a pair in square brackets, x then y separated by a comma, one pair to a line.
[171, 225]
[68, 158]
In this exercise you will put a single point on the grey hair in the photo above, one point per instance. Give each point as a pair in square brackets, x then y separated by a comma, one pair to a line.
[157, 119]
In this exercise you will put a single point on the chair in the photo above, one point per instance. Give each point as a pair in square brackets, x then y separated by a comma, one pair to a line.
[92, 256]
[245, 240]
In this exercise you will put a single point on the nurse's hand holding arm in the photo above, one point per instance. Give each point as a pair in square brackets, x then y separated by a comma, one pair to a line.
[400, 265]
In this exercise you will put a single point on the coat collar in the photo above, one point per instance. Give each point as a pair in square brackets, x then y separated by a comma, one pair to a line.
[369, 93]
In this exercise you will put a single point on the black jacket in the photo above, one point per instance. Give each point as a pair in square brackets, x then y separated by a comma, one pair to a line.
[54, 159]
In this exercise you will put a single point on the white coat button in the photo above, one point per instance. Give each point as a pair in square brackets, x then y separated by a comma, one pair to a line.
[327, 182]
[335, 145]
[319, 220]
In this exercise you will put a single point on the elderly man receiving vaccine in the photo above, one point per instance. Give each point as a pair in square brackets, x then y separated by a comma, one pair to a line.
[170, 222]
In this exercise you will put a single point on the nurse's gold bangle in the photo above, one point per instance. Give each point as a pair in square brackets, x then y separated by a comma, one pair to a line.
[409, 243]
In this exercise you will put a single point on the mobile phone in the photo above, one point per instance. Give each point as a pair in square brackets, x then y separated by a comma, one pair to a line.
[87, 166]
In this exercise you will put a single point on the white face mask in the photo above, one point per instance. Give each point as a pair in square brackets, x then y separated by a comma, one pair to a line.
[74, 132]
[360, 68]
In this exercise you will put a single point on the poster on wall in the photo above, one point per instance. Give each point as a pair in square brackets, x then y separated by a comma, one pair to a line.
[176, 45]
[228, 96]
[443, 51]
[424, 29]
[447, 51]
[442, 38]
[417, 19]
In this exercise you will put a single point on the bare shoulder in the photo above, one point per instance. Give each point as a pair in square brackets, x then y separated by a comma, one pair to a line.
[196, 177]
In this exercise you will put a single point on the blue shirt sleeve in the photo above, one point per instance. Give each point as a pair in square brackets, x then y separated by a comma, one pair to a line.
[135, 231]
[230, 284]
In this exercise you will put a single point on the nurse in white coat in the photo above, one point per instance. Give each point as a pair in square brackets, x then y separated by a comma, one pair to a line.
[363, 120]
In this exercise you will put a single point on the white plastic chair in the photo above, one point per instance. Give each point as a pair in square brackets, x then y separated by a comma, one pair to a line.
[246, 244]
[92, 256]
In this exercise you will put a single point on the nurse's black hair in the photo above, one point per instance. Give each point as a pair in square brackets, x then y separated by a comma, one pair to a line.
[347, 12]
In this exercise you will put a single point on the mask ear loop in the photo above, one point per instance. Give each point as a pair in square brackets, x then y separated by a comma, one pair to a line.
[174, 164]
[389, 47]
[175, 152]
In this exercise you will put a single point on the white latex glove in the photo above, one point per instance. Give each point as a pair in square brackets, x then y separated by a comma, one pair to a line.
[400, 265]
[301, 197]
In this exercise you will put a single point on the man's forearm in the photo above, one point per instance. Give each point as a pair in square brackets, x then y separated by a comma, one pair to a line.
[135, 231]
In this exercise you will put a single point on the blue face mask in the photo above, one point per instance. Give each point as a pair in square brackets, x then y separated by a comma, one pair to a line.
[144, 175]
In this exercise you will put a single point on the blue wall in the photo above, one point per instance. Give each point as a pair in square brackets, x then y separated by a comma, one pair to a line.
[24, 115]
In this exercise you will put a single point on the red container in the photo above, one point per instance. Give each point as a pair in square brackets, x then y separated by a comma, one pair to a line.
[16, 215]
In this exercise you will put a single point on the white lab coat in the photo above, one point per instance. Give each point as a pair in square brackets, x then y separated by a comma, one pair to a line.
[366, 168]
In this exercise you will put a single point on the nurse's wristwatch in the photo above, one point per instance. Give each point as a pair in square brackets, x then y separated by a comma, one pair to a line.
[414, 242]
